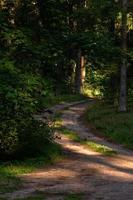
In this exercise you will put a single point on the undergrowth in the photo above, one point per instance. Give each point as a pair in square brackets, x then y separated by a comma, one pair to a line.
[112, 124]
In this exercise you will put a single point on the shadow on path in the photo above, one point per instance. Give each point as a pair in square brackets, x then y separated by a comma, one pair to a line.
[82, 171]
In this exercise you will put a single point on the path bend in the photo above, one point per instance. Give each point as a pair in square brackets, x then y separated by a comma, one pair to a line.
[83, 171]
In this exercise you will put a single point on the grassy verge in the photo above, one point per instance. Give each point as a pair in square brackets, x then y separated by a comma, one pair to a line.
[100, 148]
[89, 144]
[111, 123]
[75, 137]
[10, 171]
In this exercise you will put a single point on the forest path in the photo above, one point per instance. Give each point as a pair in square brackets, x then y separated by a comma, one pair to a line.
[83, 171]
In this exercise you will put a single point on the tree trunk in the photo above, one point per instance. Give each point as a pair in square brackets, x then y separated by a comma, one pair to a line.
[80, 61]
[123, 70]
[80, 72]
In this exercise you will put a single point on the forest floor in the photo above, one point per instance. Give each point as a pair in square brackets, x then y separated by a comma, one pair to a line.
[92, 168]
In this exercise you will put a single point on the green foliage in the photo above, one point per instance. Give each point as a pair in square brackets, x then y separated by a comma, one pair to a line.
[104, 83]
[23, 136]
[19, 98]
[20, 93]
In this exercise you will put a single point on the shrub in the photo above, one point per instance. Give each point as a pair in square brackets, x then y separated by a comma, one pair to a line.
[20, 94]
[23, 137]
[23, 91]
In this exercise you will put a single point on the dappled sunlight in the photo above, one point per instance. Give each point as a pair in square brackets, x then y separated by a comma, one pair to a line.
[113, 166]
[82, 170]
[122, 160]
[75, 147]
[53, 173]
[83, 163]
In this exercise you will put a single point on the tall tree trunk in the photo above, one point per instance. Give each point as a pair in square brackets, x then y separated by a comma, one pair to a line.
[80, 72]
[80, 61]
[123, 70]
[83, 72]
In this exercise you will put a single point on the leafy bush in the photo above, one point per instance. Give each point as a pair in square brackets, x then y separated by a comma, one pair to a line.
[28, 71]
[26, 137]
[20, 94]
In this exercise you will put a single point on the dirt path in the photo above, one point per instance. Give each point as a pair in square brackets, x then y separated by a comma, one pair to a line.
[83, 171]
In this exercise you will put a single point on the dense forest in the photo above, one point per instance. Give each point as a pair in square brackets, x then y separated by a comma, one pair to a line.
[55, 47]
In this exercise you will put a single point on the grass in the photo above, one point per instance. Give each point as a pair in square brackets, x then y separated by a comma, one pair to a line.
[71, 134]
[100, 148]
[73, 197]
[112, 124]
[10, 171]
[88, 144]
[57, 125]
